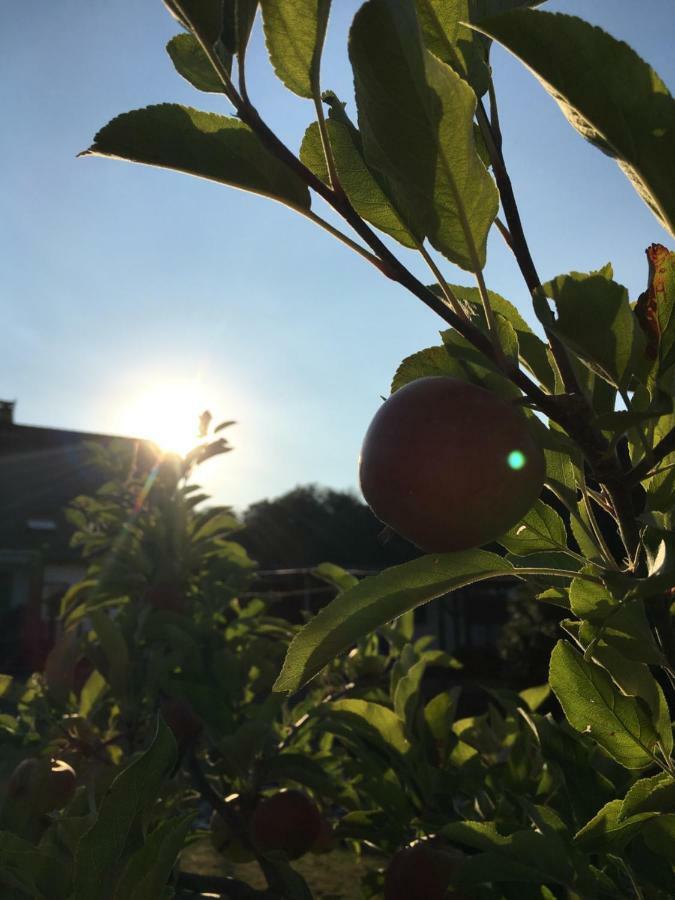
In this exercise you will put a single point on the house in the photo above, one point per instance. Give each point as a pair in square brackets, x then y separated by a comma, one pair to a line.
[41, 471]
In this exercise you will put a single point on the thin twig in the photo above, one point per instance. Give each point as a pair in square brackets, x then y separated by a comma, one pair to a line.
[449, 295]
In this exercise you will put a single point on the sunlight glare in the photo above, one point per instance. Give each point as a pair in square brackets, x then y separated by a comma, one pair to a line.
[168, 414]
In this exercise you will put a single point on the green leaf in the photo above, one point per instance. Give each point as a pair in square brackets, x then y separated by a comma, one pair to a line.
[149, 869]
[627, 630]
[90, 693]
[193, 64]
[432, 361]
[213, 523]
[655, 794]
[239, 18]
[592, 704]
[115, 649]
[596, 321]
[606, 91]
[373, 717]
[660, 837]
[360, 184]
[37, 873]
[294, 33]
[416, 122]
[607, 831]
[376, 600]
[539, 530]
[202, 144]
[135, 789]
[532, 349]
[204, 17]
[453, 42]
[524, 856]
[536, 696]
[335, 575]
[407, 696]
[591, 601]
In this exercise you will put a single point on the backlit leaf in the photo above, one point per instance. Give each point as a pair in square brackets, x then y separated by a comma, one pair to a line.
[199, 143]
[376, 600]
[605, 90]
[592, 704]
[416, 122]
[294, 33]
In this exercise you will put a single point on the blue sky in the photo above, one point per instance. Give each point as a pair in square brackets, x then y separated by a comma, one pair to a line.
[116, 278]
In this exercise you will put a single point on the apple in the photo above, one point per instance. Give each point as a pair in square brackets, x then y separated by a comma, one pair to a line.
[42, 785]
[288, 821]
[420, 873]
[449, 465]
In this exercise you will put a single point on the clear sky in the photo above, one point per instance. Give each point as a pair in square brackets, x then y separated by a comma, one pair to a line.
[116, 278]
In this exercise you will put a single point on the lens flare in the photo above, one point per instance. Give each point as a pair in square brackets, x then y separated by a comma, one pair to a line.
[516, 460]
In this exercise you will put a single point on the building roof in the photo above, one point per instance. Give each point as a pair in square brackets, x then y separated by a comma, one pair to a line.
[41, 471]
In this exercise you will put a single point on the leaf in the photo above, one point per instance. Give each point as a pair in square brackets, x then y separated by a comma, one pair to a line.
[149, 869]
[591, 601]
[605, 90]
[539, 530]
[432, 361]
[203, 144]
[34, 870]
[294, 33]
[416, 122]
[373, 717]
[536, 696]
[524, 856]
[101, 849]
[214, 523]
[533, 350]
[92, 690]
[193, 64]
[376, 600]
[204, 17]
[335, 575]
[453, 42]
[115, 649]
[360, 184]
[607, 831]
[596, 321]
[660, 837]
[407, 696]
[655, 794]
[627, 630]
[593, 705]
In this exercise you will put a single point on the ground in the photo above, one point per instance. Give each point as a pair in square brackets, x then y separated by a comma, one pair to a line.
[331, 876]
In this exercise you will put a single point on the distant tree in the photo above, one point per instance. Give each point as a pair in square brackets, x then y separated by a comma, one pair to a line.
[309, 525]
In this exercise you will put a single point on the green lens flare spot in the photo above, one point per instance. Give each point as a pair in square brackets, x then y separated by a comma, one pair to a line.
[516, 460]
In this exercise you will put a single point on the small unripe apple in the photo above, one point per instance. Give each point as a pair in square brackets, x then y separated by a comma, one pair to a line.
[227, 843]
[288, 821]
[42, 785]
[450, 465]
[420, 873]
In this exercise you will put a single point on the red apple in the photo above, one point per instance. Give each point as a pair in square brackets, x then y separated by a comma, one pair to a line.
[288, 821]
[420, 873]
[42, 785]
[450, 465]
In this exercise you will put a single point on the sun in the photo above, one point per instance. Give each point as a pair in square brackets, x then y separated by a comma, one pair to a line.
[167, 413]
